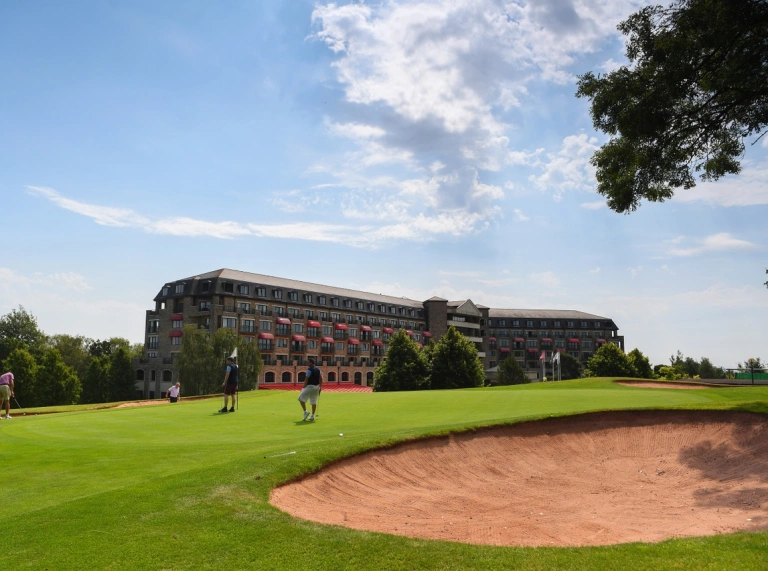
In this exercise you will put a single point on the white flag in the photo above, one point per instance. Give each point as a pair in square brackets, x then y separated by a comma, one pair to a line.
[234, 354]
[556, 357]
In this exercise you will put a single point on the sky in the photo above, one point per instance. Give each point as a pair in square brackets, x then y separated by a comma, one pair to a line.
[412, 148]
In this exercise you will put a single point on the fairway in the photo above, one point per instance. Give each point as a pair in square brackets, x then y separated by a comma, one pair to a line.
[181, 487]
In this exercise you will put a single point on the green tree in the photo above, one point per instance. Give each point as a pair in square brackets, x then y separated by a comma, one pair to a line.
[122, 379]
[695, 89]
[18, 329]
[708, 371]
[404, 368]
[640, 364]
[609, 361]
[511, 373]
[455, 363]
[671, 372]
[95, 382]
[571, 367]
[74, 351]
[249, 364]
[24, 368]
[200, 370]
[56, 383]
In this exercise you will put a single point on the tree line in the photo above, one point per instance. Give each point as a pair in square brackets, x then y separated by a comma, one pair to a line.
[64, 369]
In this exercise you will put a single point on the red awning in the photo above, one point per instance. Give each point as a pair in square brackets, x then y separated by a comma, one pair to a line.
[177, 316]
[573, 340]
[266, 336]
[342, 326]
[313, 324]
[176, 333]
[283, 321]
[409, 332]
[427, 334]
[600, 341]
[327, 340]
[532, 350]
[377, 343]
[492, 339]
[519, 340]
[546, 340]
[300, 338]
[365, 328]
[388, 330]
[353, 341]
[505, 350]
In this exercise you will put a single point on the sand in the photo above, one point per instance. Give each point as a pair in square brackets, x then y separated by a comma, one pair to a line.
[595, 479]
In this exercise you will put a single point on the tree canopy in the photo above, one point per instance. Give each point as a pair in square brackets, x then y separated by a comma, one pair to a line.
[570, 367]
[404, 369]
[609, 361]
[696, 88]
[511, 373]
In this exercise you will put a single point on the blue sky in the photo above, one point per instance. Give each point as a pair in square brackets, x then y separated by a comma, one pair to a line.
[413, 148]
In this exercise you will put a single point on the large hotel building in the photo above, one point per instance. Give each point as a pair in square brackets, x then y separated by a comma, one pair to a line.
[347, 331]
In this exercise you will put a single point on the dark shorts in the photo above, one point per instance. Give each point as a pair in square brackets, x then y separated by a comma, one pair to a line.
[230, 389]
[174, 399]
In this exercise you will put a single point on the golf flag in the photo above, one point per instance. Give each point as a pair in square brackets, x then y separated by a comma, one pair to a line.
[234, 354]
[543, 356]
[556, 357]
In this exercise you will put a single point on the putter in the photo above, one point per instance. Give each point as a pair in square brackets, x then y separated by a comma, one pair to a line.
[18, 405]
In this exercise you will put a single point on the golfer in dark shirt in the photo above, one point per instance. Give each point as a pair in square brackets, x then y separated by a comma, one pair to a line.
[313, 382]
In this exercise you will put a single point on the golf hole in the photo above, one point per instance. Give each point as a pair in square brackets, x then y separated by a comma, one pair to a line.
[593, 479]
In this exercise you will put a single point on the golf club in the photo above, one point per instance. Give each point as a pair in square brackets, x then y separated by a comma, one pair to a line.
[18, 405]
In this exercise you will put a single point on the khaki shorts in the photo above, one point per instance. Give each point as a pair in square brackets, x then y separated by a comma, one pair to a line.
[5, 392]
[310, 392]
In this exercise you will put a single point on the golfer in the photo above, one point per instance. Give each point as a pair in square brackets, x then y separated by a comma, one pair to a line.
[173, 392]
[313, 382]
[6, 392]
[230, 384]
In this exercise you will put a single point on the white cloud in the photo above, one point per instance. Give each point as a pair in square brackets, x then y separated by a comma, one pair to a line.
[635, 271]
[750, 188]
[715, 243]
[519, 216]
[569, 168]
[593, 205]
[595, 270]
[548, 279]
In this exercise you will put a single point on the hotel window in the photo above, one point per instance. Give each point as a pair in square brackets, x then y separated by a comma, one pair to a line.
[207, 323]
[281, 342]
[175, 340]
[353, 332]
[228, 287]
[372, 321]
[382, 308]
[556, 324]
[515, 323]
[309, 314]
[177, 324]
[327, 330]
[321, 299]
[298, 328]
[393, 322]
[530, 334]
[413, 325]
[153, 341]
[597, 324]
[262, 309]
[376, 334]
[401, 310]
[559, 343]
[586, 344]
[598, 334]
[349, 318]
[205, 287]
[278, 310]
[570, 324]
[504, 343]
[359, 305]
[335, 316]
[543, 333]
[531, 343]
[165, 290]
[179, 288]
[401, 324]
[335, 301]
[392, 309]
[261, 291]
[542, 323]
[205, 306]
[363, 346]
[584, 324]
[307, 298]
[529, 323]
[229, 322]
[294, 312]
[243, 289]
[348, 303]
[502, 322]
[265, 325]
[277, 294]
[152, 355]
[293, 296]
[248, 339]
[339, 346]
[323, 315]
[243, 307]
[312, 344]
[584, 334]
[247, 326]
[411, 313]
[153, 325]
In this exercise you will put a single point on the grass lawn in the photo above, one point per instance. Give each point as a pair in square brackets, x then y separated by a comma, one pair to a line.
[182, 487]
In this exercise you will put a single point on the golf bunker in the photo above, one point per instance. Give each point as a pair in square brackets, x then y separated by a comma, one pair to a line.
[592, 479]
